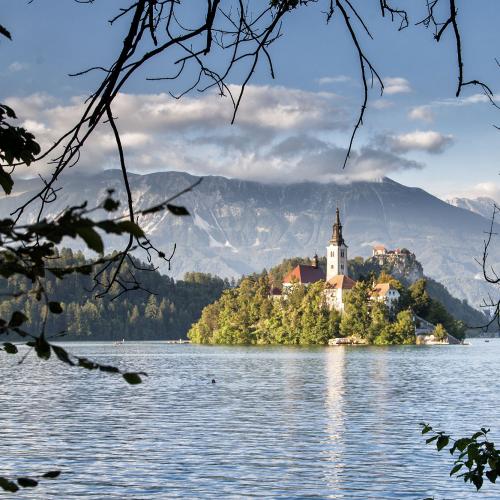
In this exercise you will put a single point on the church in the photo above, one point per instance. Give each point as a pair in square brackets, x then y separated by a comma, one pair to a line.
[338, 284]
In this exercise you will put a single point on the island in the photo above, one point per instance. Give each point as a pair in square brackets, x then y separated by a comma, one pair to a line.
[386, 301]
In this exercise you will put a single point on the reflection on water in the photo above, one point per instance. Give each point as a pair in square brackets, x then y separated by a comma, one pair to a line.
[336, 422]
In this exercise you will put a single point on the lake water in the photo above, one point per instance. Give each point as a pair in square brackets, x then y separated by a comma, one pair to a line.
[336, 422]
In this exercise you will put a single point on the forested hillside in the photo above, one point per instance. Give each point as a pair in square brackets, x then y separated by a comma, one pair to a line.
[165, 313]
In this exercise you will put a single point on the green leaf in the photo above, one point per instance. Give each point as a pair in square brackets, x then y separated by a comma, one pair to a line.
[177, 210]
[6, 181]
[91, 238]
[491, 475]
[431, 439]
[442, 442]
[7, 485]
[477, 480]
[55, 307]
[462, 443]
[9, 348]
[456, 469]
[27, 482]
[17, 319]
[52, 474]
[132, 378]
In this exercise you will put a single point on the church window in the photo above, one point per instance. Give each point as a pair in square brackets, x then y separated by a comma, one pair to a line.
[331, 266]
[342, 253]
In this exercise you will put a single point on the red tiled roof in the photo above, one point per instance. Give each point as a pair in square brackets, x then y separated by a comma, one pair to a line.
[341, 282]
[381, 289]
[379, 247]
[304, 274]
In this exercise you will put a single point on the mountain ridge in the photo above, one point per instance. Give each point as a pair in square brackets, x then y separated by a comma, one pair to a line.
[239, 227]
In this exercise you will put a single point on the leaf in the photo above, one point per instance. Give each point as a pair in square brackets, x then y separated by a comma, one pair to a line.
[27, 482]
[431, 439]
[110, 205]
[478, 481]
[491, 475]
[132, 378]
[131, 227]
[456, 469]
[91, 238]
[55, 307]
[52, 474]
[17, 319]
[62, 355]
[7, 485]
[109, 369]
[442, 442]
[42, 348]
[5, 32]
[86, 363]
[177, 210]
[462, 443]
[9, 348]
[6, 181]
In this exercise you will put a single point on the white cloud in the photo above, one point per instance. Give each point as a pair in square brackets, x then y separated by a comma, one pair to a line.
[423, 113]
[17, 66]
[327, 80]
[396, 85]
[429, 141]
[490, 190]
[382, 104]
[275, 136]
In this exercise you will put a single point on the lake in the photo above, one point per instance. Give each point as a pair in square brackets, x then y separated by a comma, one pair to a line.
[280, 422]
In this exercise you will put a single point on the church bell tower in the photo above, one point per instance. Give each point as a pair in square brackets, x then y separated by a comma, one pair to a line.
[336, 252]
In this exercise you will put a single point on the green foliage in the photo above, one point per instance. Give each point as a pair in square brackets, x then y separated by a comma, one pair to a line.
[247, 315]
[440, 333]
[475, 455]
[167, 313]
[16, 143]
[356, 320]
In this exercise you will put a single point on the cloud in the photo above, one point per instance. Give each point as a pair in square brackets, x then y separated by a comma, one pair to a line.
[396, 85]
[423, 113]
[327, 80]
[429, 141]
[382, 104]
[279, 135]
[17, 66]
[489, 190]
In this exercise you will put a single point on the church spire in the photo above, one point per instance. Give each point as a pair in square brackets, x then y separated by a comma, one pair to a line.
[337, 238]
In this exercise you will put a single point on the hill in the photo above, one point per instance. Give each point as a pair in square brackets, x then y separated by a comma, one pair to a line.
[165, 313]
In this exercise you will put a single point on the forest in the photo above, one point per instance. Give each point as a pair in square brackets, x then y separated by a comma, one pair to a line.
[161, 308]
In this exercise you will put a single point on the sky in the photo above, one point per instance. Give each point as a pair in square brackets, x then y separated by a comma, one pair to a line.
[291, 128]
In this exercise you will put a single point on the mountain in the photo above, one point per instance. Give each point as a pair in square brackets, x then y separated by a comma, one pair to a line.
[481, 205]
[239, 227]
